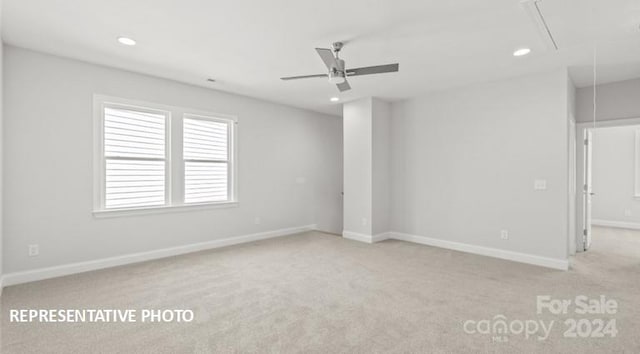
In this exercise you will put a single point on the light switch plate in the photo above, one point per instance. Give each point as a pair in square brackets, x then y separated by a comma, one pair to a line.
[540, 184]
[34, 250]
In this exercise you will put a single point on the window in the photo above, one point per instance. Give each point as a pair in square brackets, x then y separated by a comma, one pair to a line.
[135, 145]
[206, 159]
[134, 157]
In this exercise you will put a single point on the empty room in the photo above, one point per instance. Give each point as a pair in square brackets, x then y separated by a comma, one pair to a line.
[319, 177]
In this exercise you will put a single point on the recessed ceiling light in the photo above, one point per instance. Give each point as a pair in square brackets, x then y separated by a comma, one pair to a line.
[521, 52]
[126, 41]
[334, 99]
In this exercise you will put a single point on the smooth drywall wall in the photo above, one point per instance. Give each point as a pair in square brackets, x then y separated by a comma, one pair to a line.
[1, 151]
[381, 182]
[613, 175]
[328, 181]
[49, 158]
[357, 130]
[571, 167]
[617, 100]
[464, 164]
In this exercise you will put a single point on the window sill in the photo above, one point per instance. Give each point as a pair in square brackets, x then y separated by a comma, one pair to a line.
[111, 213]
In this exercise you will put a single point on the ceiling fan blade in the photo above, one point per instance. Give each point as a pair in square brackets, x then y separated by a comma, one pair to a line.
[327, 57]
[368, 70]
[344, 86]
[303, 77]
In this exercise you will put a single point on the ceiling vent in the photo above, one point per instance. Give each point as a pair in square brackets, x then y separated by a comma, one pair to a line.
[532, 7]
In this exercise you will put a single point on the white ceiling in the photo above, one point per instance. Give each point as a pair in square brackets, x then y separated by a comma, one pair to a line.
[247, 45]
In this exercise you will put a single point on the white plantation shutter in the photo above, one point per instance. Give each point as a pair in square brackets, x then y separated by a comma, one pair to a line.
[206, 159]
[133, 154]
[134, 157]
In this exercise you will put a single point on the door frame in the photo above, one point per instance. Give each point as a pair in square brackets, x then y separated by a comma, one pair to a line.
[580, 170]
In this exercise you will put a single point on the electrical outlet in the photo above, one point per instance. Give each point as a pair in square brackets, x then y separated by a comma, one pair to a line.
[504, 234]
[257, 220]
[364, 221]
[627, 212]
[34, 250]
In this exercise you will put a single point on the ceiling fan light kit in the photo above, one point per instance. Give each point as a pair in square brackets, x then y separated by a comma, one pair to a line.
[336, 72]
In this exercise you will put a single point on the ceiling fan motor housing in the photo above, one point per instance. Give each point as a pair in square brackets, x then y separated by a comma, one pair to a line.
[336, 76]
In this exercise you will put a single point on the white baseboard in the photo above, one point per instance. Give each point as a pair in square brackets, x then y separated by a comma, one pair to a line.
[562, 264]
[357, 236]
[81, 267]
[618, 224]
[381, 237]
[366, 238]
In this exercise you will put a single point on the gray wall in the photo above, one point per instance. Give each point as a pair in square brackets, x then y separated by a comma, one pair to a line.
[48, 172]
[613, 174]
[616, 100]
[358, 130]
[1, 150]
[366, 169]
[571, 167]
[381, 180]
[464, 164]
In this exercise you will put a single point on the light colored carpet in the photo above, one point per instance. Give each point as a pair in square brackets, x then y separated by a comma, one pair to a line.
[319, 293]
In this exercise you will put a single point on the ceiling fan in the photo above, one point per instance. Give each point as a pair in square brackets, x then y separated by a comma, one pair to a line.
[337, 73]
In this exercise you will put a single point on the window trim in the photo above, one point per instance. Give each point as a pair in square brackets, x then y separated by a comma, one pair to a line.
[173, 135]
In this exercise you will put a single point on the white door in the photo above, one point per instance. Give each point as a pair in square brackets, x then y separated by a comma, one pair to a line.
[587, 189]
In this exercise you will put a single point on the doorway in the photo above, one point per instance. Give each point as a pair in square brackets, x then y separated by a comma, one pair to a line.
[608, 183]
